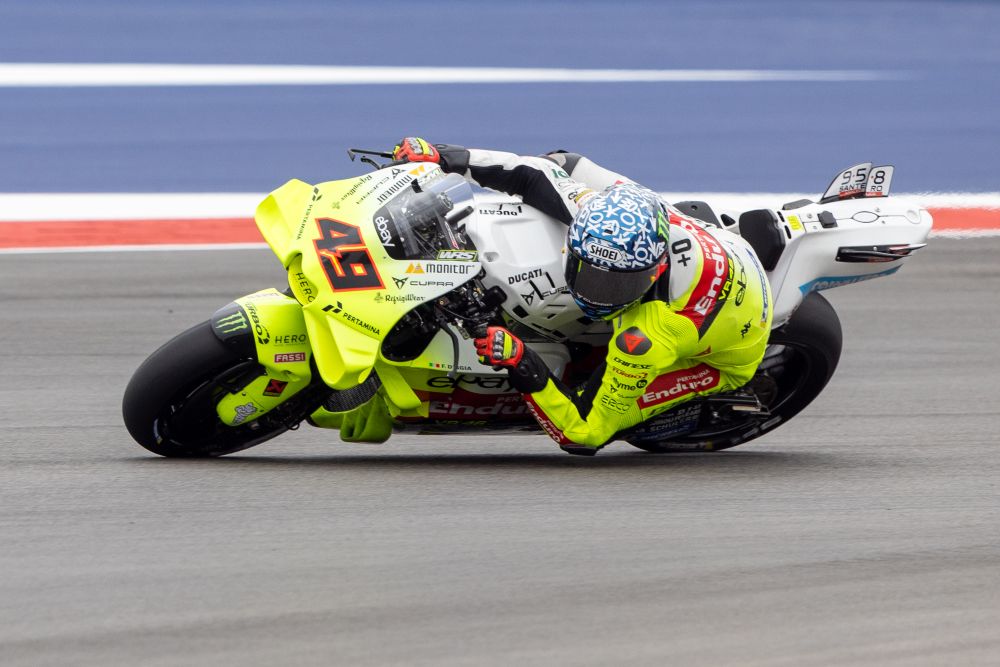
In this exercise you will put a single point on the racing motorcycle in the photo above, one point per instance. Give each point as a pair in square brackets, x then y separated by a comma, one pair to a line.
[391, 274]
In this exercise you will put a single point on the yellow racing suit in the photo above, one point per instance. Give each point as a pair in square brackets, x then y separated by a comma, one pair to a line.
[701, 329]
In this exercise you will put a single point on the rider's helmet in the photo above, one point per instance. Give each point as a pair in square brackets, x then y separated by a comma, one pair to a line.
[617, 249]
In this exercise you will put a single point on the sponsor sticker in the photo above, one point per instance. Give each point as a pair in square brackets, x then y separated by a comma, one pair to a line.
[291, 339]
[339, 310]
[601, 251]
[242, 412]
[232, 324]
[613, 405]
[543, 420]
[289, 357]
[446, 268]
[526, 275]
[263, 335]
[633, 341]
[275, 387]
[679, 383]
[456, 255]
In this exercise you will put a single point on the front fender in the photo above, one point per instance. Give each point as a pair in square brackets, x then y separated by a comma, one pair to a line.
[266, 326]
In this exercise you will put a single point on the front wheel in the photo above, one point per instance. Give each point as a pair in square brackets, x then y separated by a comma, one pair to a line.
[800, 359]
[169, 404]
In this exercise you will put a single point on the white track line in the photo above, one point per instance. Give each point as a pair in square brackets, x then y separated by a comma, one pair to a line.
[136, 74]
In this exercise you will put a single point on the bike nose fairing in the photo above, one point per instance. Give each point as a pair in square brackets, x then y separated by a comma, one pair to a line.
[342, 243]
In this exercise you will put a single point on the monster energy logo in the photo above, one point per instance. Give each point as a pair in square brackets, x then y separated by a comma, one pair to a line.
[232, 323]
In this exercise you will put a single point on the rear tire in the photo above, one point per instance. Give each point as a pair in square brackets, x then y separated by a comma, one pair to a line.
[801, 357]
[169, 404]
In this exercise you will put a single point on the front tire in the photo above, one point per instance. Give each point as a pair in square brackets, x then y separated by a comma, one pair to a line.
[169, 404]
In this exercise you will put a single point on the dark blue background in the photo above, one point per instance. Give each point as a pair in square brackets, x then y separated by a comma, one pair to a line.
[939, 123]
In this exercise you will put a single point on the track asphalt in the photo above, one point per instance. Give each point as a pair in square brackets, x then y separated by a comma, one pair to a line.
[862, 532]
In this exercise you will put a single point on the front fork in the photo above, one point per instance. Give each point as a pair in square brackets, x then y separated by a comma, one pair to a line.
[266, 326]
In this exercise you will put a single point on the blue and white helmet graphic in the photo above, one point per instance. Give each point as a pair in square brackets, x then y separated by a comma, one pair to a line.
[617, 243]
[619, 229]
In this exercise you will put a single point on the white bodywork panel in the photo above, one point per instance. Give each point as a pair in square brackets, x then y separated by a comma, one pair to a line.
[810, 262]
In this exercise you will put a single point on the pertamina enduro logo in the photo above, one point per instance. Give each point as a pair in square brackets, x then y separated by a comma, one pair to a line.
[673, 385]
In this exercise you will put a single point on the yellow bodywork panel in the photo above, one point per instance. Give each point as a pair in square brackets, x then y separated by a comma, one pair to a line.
[332, 238]
[276, 324]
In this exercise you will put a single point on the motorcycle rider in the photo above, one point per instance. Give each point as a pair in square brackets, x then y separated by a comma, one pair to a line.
[689, 303]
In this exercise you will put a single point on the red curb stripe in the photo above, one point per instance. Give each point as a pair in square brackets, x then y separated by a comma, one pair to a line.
[965, 218]
[85, 233]
[208, 231]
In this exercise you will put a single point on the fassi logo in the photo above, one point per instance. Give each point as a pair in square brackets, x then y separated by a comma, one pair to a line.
[673, 385]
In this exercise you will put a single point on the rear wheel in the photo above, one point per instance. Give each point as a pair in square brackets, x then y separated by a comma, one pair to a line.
[169, 404]
[801, 358]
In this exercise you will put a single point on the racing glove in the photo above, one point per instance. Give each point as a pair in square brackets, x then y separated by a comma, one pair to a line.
[500, 349]
[415, 149]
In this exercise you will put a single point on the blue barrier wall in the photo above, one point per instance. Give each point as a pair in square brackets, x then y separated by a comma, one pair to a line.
[936, 117]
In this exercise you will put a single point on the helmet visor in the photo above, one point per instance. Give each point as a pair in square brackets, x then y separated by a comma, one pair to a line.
[604, 289]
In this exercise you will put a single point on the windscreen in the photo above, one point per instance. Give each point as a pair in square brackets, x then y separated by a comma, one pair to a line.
[420, 223]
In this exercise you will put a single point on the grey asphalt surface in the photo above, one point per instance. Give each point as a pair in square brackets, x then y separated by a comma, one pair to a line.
[863, 532]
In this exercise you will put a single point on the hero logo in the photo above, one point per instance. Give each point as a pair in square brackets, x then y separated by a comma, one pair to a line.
[679, 383]
[603, 252]
[291, 339]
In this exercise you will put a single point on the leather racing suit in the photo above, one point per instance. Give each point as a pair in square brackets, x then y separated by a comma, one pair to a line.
[701, 329]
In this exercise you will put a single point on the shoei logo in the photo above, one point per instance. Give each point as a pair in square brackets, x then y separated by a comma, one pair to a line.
[601, 251]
